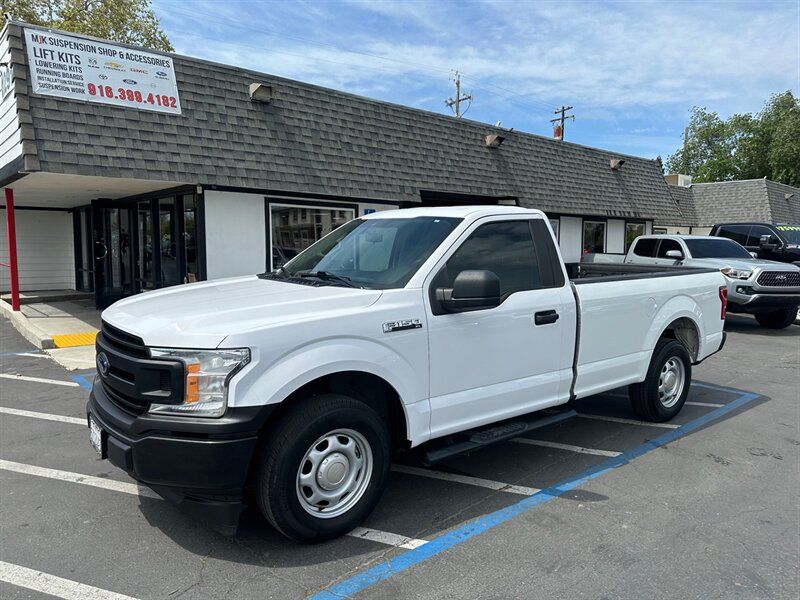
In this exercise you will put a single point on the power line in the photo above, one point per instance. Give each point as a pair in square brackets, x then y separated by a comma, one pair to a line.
[559, 129]
[455, 103]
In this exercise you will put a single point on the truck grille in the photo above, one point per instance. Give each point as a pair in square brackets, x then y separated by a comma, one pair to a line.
[133, 380]
[779, 279]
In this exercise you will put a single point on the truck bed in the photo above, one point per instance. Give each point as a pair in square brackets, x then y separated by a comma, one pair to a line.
[580, 273]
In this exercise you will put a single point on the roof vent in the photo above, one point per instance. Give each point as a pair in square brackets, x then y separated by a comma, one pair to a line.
[616, 163]
[788, 196]
[260, 92]
[493, 140]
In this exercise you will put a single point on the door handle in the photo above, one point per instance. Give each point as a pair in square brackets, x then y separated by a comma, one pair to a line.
[545, 317]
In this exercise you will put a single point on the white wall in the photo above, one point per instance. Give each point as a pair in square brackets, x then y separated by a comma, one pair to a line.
[236, 241]
[615, 236]
[571, 238]
[45, 252]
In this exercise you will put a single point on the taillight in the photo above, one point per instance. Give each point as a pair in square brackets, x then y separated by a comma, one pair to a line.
[723, 298]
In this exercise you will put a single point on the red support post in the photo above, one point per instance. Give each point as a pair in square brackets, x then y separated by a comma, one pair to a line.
[11, 230]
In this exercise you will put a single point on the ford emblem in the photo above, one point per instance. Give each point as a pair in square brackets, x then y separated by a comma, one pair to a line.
[130, 81]
[102, 364]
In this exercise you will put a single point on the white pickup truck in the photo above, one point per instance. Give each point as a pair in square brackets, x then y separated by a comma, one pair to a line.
[400, 328]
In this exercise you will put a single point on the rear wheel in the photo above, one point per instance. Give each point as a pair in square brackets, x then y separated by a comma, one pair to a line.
[323, 468]
[663, 392]
[777, 319]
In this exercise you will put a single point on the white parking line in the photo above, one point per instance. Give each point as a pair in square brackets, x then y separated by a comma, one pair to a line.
[40, 415]
[99, 482]
[627, 421]
[375, 535]
[39, 380]
[570, 447]
[33, 354]
[53, 585]
[384, 537]
[707, 404]
[466, 479]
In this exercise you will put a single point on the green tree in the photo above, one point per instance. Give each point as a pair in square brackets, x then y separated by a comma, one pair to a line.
[744, 146]
[126, 21]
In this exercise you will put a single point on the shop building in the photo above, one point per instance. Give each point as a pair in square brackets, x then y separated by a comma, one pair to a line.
[130, 170]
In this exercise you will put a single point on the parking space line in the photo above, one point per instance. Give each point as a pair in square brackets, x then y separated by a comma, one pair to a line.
[53, 585]
[706, 404]
[627, 421]
[466, 479]
[385, 537]
[374, 535]
[33, 354]
[570, 447]
[90, 480]
[41, 415]
[393, 566]
[39, 380]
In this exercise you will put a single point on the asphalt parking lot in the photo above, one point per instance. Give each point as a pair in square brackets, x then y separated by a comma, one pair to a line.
[600, 506]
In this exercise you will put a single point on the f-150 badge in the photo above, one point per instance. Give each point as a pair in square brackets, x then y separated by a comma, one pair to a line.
[401, 325]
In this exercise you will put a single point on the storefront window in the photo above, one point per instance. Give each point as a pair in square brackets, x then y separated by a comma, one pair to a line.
[594, 236]
[632, 231]
[168, 243]
[190, 237]
[146, 280]
[554, 224]
[295, 228]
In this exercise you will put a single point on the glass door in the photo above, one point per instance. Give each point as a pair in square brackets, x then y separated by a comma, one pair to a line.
[114, 233]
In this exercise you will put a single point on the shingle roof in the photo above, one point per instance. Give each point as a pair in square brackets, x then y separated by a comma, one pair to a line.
[684, 199]
[316, 140]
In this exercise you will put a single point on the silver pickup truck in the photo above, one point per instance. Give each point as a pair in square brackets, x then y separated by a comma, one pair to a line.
[767, 289]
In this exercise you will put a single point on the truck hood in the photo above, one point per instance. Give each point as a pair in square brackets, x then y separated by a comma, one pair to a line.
[742, 263]
[202, 315]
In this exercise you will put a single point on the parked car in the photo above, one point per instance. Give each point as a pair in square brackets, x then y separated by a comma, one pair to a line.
[400, 328]
[779, 242]
[767, 289]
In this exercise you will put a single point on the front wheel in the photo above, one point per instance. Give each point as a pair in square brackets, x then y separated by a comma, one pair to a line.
[777, 319]
[323, 468]
[663, 392]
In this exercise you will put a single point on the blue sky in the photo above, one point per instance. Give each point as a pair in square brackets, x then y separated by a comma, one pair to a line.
[632, 70]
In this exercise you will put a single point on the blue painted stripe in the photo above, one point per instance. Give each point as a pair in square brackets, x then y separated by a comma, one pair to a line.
[82, 381]
[398, 564]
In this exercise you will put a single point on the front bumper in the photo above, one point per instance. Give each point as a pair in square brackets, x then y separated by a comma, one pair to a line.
[201, 464]
[757, 302]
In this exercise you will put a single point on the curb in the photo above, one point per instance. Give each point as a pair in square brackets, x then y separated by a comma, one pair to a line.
[29, 331]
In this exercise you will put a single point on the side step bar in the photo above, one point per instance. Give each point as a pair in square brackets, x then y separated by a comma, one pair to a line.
[472, 440]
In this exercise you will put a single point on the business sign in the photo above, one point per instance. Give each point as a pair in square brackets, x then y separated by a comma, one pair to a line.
[79, 69]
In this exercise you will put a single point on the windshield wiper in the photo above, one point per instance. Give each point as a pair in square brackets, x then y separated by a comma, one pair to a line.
[327, 276]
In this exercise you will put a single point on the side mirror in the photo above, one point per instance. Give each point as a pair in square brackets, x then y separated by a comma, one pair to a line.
[676, 254]
[472, 290]
[768, 242]
[754, 254]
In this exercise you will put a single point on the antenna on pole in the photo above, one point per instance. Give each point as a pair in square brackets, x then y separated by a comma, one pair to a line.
[559, 122]
[455, 103]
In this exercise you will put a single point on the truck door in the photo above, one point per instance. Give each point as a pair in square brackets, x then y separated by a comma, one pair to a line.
[669, 245]
[642, 252]
[512, 358]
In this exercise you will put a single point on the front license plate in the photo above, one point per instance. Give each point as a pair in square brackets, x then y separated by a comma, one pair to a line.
[97, 437]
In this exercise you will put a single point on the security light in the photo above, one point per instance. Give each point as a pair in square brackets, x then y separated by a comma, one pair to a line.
[616, 163]
[493, 140]
[260, 92]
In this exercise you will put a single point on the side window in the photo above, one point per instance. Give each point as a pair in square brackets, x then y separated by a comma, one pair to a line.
[645, 247]
[667, 245]
[754, 239]
[737, 233]
[504, 248]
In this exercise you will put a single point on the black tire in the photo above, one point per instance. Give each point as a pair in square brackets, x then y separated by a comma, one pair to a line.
[284, 449]
[645, 398]
[777, 319]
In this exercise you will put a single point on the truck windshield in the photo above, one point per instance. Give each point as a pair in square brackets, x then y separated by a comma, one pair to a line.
[715, 248]
[372, 253]
[790, 232]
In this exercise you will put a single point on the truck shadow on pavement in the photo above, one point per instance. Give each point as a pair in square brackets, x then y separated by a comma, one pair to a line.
[735, 323]
[422, 502]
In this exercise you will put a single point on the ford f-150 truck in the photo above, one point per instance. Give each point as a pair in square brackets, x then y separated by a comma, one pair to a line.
[768, 290]
[450, 327]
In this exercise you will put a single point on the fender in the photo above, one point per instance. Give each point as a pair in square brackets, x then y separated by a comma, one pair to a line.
[273, 383]
[675, 308]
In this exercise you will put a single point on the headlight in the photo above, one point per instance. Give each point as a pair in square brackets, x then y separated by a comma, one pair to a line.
[208, 373]
[737, 273]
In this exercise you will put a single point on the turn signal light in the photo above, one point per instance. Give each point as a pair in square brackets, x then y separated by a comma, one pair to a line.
[192, 383]
[723, 298]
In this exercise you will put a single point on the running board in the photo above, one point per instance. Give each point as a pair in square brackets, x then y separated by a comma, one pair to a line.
[475, 439]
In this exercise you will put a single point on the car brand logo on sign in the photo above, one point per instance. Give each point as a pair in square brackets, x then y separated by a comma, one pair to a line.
[102, 364]
[129, 81]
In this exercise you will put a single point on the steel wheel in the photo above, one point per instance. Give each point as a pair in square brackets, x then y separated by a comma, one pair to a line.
[671, 380]
[334, 473]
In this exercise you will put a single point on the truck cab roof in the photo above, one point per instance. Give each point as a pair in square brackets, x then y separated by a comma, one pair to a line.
[458, 212]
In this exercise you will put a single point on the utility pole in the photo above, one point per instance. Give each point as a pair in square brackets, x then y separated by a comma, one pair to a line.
[558, 130]
[685, 151]
[455, 103]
